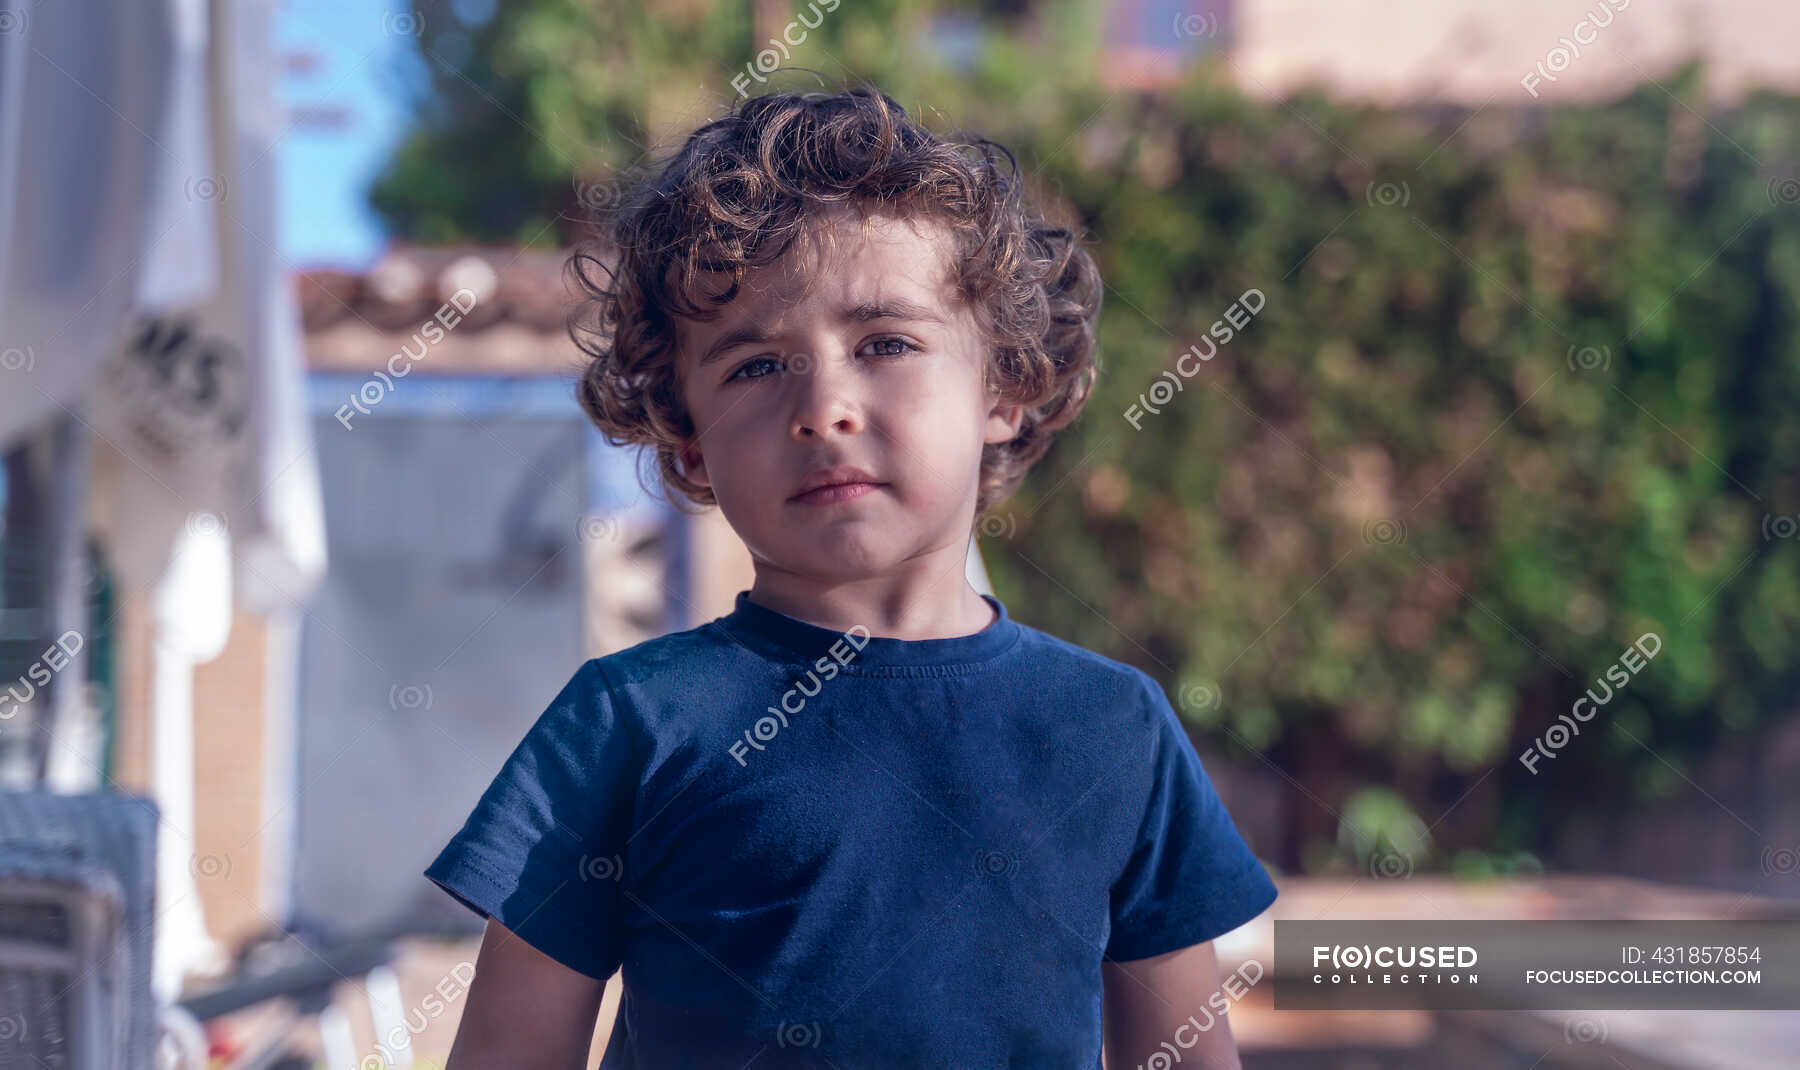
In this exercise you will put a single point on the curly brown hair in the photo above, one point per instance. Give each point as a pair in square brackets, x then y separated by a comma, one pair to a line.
[743, 188]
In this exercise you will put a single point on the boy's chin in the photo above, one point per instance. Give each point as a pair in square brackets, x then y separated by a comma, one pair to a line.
[839, 554]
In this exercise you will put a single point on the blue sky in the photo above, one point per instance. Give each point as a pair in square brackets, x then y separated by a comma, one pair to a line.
[361, 56]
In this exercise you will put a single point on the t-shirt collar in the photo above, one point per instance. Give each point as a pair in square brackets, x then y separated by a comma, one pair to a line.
[791, 639]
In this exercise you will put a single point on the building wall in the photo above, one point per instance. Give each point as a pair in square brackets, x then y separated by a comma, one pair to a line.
[229, 845]
[1476, 53]
[230, 767]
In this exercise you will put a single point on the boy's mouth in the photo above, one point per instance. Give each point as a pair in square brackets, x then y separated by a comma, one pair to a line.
[840, 483]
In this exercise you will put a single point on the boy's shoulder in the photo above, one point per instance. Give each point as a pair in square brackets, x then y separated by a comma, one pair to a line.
[1080, 659]
[1128, 690]
[661, 653]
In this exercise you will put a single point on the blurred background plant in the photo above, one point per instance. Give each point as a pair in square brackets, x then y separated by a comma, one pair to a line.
[1522, 390]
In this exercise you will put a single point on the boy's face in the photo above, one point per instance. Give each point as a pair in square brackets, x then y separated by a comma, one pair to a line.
[876, 367]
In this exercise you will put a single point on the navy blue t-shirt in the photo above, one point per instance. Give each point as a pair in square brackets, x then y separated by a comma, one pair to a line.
[817, 848]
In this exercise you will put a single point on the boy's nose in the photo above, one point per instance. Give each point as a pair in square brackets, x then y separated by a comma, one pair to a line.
[827, 395]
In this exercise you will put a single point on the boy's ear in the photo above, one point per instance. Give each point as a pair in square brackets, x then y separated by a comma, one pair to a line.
[693, 462]
[1003, 422]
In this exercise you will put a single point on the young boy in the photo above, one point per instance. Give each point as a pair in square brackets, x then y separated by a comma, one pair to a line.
[866, 819]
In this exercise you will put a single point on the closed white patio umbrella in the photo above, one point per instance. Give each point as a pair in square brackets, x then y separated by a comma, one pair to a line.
[143, 304]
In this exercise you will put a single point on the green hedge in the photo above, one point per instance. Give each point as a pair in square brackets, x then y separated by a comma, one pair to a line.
[1522, 391]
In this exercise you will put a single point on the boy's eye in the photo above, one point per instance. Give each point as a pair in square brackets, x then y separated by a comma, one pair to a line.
[900, 346]
[740, 372]
[902, 343]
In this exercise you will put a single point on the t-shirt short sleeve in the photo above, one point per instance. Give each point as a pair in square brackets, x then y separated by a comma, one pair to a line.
[1190, 877]
[543, 850]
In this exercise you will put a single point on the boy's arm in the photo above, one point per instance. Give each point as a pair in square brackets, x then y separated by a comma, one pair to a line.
[1148, 1002]
[526, 1011]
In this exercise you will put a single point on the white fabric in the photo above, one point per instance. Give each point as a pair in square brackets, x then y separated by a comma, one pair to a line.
[206, 400]
[103, 133]
[975, 570]
[141, 289]
[277, 514]
[140, 285]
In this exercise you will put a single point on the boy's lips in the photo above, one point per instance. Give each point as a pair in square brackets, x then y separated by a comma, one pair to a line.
[835, 492]
[839, 483]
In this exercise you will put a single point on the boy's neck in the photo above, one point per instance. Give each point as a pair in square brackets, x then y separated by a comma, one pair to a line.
[889, 607]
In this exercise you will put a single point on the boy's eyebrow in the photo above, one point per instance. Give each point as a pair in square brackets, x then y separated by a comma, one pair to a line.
[895, 308]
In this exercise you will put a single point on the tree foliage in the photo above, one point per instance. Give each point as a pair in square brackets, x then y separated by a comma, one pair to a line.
[1520, 390]
[1521, 393]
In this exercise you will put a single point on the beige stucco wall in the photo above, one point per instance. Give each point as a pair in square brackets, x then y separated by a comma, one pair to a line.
[1476, 52]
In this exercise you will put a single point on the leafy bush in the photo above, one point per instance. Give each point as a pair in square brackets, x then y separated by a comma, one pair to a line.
[1519, 391]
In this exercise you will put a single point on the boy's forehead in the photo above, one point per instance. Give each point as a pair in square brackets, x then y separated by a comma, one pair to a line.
[899, 262]
[836, 254]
